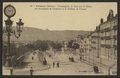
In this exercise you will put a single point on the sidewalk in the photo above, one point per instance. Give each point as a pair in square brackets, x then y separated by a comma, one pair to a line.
[103, 66]
[5, 71]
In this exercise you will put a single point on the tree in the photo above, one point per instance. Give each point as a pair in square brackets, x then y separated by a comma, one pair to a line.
[56, 46]
[31, 46]
[44, 46]
[75, 46]
[41, 45]
[70, 44]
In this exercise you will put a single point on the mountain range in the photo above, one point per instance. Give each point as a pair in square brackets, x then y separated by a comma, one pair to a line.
[30, 34]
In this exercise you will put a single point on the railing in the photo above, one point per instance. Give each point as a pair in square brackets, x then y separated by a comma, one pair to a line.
[19, 60]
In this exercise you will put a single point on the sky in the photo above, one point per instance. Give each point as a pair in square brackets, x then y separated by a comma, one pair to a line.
[86, 18]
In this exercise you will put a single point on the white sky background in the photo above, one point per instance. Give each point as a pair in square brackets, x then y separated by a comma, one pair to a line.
[61, 19]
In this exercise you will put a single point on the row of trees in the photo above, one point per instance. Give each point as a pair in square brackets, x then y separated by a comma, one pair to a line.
[46, 45]
[43, 45]
[20, 49]
[37, 45]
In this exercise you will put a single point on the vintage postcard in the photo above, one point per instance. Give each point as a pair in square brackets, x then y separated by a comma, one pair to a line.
[59, 38]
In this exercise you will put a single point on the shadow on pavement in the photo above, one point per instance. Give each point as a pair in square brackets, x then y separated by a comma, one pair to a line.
[22, 65]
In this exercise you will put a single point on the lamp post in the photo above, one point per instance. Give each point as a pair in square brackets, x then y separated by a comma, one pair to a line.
[31, 71]
[10, 11]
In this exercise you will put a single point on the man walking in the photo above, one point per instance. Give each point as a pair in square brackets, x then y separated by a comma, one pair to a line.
[31, 71]
[32, 57]
[58, 64]
[11, 71]
[53, 64]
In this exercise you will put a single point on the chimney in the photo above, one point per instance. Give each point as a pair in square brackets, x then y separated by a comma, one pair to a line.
[110, 15]
[101, 21]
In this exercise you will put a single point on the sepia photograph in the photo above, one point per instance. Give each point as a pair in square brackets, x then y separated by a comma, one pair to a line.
[59, 38]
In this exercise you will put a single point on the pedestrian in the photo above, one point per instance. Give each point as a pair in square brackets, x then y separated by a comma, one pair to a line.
[53, 64]
[31, 71]
[80, 58]
[11, 71]
[58, 64]
[69, 58]
[45, 61]
[32, 58]
[49, 55]
[96, 70]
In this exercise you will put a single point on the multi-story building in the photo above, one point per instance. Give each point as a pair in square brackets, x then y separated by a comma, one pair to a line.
[80, 41]
[108, 36]
[100, 46]
[104, 39]
[84, 43]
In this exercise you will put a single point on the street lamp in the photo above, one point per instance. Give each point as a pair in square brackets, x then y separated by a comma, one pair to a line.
[10, 11]
[19, 28]
[31, 71]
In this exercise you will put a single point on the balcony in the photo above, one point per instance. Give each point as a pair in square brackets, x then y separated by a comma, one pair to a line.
[106, 38]
[115, 27]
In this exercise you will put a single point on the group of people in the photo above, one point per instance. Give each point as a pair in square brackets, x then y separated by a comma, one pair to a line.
[71, 59]
[57, 64]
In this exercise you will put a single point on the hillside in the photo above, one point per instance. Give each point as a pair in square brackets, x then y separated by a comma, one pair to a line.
[33, 34]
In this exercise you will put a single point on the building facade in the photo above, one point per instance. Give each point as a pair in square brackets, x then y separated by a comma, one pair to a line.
[108, 36]
[100, 46]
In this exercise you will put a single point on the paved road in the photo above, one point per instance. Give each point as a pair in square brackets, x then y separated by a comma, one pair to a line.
[66, 67]
[32, 60]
